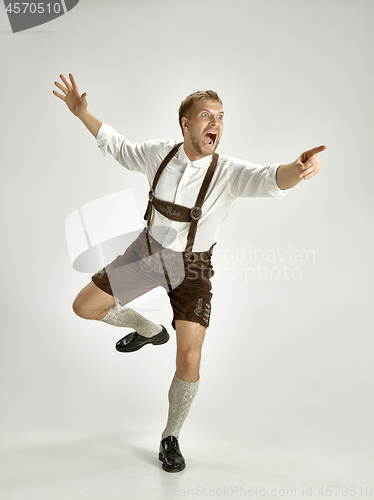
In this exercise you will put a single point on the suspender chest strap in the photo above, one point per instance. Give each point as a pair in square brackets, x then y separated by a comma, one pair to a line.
[165, 161]
[196, 211]
[179, 213]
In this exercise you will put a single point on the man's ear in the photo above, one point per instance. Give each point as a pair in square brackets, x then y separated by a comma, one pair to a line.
[184, 123]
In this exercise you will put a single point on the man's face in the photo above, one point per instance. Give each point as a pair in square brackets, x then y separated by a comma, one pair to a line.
[203, 130]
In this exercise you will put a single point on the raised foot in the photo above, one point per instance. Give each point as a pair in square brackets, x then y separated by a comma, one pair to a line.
[133, 341]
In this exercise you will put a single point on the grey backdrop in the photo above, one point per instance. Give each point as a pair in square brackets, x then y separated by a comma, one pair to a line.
[287, 373]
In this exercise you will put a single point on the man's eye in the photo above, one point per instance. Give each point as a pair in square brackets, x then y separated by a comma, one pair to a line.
[220, 117]
[205, 114]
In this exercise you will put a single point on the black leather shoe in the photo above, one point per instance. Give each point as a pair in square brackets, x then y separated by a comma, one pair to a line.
[133, 341]
[170, 455]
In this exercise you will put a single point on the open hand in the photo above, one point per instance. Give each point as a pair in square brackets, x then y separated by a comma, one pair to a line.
[309, 163]
[75, 102]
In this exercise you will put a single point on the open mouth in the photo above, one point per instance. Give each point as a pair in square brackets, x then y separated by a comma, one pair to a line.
[210, 139]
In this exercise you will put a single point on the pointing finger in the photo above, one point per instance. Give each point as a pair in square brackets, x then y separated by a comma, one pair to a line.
[308, 154]
[314, 151]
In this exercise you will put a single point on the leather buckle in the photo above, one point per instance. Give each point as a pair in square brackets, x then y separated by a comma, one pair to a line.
[151, 195]
[189, 256]
[192, 211]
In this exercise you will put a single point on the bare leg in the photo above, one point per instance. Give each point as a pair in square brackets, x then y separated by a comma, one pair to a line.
[93, 303]
[190, 338]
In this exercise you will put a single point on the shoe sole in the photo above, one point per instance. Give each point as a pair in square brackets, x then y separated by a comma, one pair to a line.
[167, 469]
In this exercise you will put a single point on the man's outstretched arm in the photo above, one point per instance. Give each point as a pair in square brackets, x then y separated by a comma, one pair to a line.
[77, 103]
[307, 165]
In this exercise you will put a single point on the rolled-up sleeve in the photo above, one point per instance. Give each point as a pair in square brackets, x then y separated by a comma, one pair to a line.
[130, 155]
[253, 180]
[103, 137]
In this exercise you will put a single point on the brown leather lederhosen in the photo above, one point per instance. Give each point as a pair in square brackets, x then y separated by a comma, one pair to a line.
[188, 274]
[178, 213]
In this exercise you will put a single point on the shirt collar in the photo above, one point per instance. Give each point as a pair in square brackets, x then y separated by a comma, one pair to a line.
[202, 163]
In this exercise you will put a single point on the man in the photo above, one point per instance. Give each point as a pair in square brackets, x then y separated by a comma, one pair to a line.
[192, 191]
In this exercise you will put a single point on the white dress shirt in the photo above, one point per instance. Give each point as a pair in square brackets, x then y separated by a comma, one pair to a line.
[181, 180]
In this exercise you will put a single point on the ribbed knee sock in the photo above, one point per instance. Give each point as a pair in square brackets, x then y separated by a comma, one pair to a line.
[181, 396]
[124, 316]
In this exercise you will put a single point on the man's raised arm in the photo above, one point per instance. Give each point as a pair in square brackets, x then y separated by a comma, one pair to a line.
[77, 103]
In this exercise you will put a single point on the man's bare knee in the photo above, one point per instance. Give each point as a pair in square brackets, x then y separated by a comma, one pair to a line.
[188, 363]
[80, 309]
[92, 303]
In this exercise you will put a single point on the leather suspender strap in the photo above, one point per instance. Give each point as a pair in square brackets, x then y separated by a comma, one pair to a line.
[151, 195]
[195, 213]
[147, 215]
[198, 204]
[161, 259]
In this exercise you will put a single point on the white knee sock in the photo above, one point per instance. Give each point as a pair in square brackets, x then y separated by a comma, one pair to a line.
[124, 316]
[181, 396]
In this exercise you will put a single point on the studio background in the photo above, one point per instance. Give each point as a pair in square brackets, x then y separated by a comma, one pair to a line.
[287, 370]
